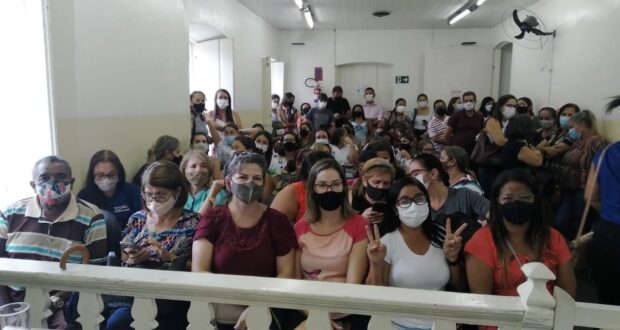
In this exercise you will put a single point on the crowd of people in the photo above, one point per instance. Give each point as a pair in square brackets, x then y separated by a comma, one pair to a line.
[450, 196]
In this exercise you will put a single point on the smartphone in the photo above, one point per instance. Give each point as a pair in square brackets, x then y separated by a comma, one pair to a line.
[379, 206]
[129, 245]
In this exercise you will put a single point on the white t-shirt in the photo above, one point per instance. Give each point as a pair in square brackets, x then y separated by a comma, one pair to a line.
[409, 270]
[419, 121]
[341, 155]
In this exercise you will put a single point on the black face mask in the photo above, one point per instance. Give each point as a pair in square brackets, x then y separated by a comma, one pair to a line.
[518, 212]
[290, 166]
[376, 194]
[329, 200]
[522, 110]
[358, 114]
[404, 147]
[177, 160]
[441, 111]
[288, 104]
[304, 111]
[199, 107]
[289, 146]
[304, 133]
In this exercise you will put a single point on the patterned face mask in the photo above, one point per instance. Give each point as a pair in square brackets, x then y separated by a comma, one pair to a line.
[53, 192]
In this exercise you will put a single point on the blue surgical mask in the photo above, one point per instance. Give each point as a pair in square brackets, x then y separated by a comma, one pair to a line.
[574, 134]
[229, 140]
[564, 122]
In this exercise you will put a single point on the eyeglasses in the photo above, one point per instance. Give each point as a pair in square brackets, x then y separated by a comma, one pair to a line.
[109, 176]
[159, 197]
[525, 198]
[418, 199]
[322, 187]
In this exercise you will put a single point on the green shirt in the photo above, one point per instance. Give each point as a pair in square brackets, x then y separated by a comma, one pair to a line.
[195, 202]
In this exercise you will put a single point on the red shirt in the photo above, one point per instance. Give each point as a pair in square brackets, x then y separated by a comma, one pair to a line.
[246, 251]
[465, 129]
[300, 194]
[483, 247]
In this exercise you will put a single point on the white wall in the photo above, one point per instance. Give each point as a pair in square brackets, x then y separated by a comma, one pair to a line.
[404, 49]
[252, 38]
[120, 78]
[584, 57]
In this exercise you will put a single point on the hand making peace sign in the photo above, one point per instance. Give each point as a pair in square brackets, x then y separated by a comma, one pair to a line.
[453, 242]
[375, 250]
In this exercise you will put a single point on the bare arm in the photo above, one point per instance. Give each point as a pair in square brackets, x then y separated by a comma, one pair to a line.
[353, 155]
[215, 135]
[479, 275]
[358, 263]
[237, 120]
[566, 279]
[495, 132]
[378, 274]
[202, 254]
[447, 136]
[532, 157]
[285, 265]
[286, 202]
[217, 169]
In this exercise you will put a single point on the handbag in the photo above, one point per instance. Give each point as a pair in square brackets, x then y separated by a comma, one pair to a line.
[486, 152]
[579, 245]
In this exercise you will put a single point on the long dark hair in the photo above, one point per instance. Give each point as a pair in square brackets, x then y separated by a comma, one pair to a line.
[537, 234]
[269, 151]
[431, 162]
[497, 107]
[432, 230]
[92, 193]
[229, 115]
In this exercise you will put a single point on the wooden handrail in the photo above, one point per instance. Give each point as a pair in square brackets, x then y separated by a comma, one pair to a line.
[79, 248]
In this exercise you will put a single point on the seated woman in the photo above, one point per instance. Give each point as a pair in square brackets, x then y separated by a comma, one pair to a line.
[165, 148]
[413, 253]
[306, 135]
[244, 237]
[159, 237]
[223, 146]
[331, 236]
[360, 126]
[282, 167]
[518, 232]
[460, 205]
[455, 161]
[105, 187]
[291, 200]
[369, 194]
[204, 191]
[200, 141]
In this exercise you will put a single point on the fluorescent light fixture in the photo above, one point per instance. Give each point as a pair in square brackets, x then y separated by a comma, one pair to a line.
[308, 17]
[300, 4]
[480, 2]
[459, 16]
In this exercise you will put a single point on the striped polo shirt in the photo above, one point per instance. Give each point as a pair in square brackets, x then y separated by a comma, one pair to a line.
[26, 234]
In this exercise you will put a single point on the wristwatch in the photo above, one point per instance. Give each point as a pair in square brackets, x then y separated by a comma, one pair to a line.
[56, 303]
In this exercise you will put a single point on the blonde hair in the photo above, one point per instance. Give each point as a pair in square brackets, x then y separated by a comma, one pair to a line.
[203, 157]
[313, 211]
[374, 165]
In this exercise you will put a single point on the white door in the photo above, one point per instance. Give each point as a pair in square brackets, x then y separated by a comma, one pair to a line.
[354, 78]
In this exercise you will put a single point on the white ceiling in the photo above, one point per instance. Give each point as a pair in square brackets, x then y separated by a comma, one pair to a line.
[405, 14]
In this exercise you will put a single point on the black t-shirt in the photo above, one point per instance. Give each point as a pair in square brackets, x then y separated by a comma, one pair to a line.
[510, 152]
[338, 105]
[390, 219]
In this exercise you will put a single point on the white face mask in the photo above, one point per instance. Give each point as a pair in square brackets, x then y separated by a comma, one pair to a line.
[280, 131]
[323, 141]
[322, 105]
[369, 97]
[400, 108]
[222, 103]
[106, 185]
[414, 215]
[161, 209]
[274, 105]
[422, 104]
[262, 147]
[489, 107]
[468, 106]
[509, 112]
[459, 106]
[420, 177]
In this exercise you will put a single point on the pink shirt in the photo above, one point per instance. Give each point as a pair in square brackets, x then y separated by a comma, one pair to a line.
[372, 111]
[325, 257]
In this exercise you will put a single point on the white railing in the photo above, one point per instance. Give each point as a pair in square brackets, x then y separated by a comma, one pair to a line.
[535, 308]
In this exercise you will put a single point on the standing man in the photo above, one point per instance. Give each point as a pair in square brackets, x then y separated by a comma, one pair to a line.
[322, 116]
[339, 106]
[464, 126]
[372, 112]
[42, 227]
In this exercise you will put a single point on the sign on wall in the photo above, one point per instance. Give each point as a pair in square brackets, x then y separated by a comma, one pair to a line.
[402, 79]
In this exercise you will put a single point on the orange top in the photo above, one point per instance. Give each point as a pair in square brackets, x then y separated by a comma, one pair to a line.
[300, 195]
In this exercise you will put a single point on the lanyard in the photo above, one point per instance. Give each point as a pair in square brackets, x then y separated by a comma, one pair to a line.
[514, 254]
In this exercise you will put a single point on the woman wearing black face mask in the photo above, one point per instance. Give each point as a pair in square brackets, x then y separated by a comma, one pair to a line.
[197, 108]
[360, 126]
[282, 166]
[165, 148]
[369, 193]
[305, 134]
[244, 237]
[331, 236]
[438, 125]
[518, 232]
